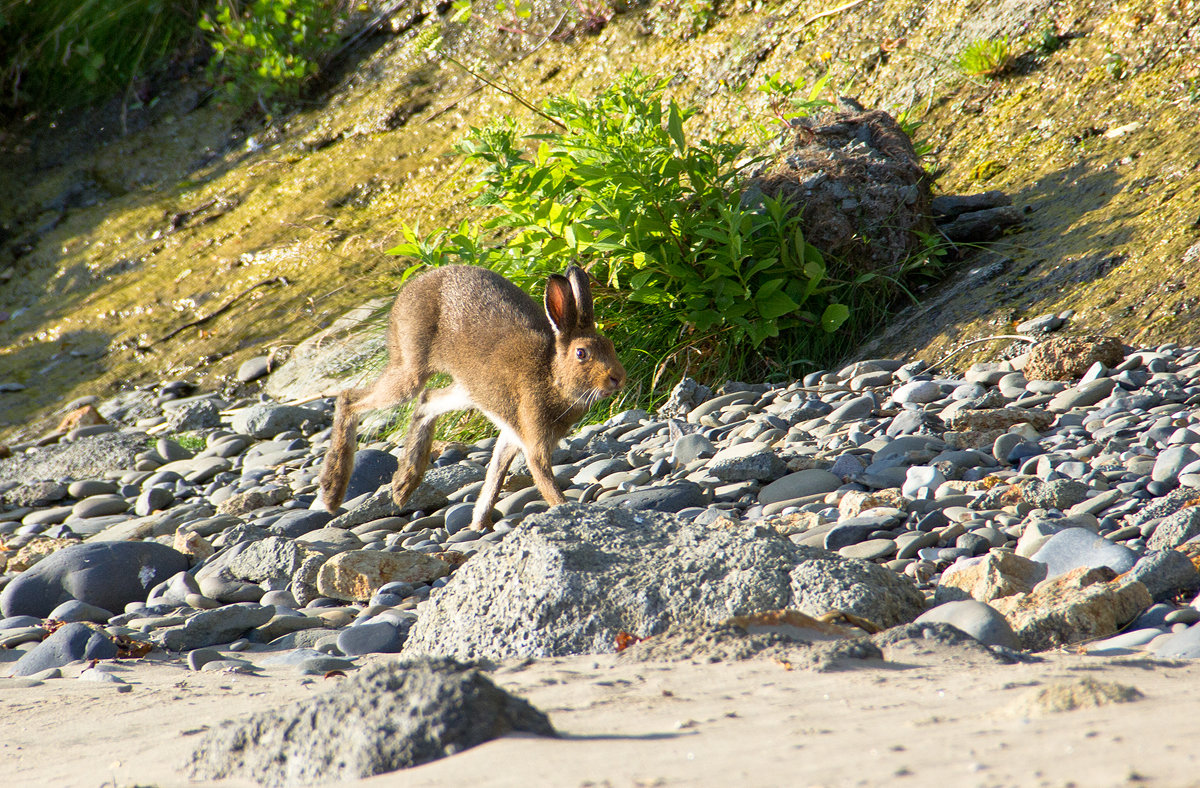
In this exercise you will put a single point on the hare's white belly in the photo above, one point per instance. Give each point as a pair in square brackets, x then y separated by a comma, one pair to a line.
[456, 397]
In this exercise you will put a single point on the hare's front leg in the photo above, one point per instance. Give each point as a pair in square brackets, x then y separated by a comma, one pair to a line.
[538, 459]
[502, 456]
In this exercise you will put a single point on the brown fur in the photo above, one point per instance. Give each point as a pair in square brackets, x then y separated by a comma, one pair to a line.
[518, 365]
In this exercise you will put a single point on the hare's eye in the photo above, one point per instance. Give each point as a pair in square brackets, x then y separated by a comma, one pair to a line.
[581, 353]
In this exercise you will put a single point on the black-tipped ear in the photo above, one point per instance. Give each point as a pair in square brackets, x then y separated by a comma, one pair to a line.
[582, 288]
[560, 304]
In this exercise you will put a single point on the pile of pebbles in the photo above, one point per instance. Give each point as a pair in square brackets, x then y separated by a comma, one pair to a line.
[1055, 458]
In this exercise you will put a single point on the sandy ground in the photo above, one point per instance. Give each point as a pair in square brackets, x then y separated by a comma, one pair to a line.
[928, 716]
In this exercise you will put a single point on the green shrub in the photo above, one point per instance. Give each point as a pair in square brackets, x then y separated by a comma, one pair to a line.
[61, 53]
[264, 50]
[696, 280]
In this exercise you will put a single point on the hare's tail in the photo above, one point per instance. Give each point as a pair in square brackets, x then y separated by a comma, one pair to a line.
[339, 460]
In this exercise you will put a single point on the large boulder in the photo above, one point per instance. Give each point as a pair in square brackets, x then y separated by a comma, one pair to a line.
[109, 575]
[390, 716]
[864, 193]
[568, 581]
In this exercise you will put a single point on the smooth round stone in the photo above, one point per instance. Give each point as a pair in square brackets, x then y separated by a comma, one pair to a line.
[106, 574]
[846, 534]
[201, 602]
[973, 542]
[1171, 461]
[280, 598]
[69, 643]
[89, 487]
[909, 543]
[692, 447]
[852, 410]
[458, 517]
[1180, 645]
[1184, 615]
[921, 479]
[799, 485]
[976, 619]
[918, 392]
[1004, 444]
[153, 499]
[252, 369]
[1075, 547]
[197, 658]
[870, 550]
[50, 516]
[374, 637]
[74, 610]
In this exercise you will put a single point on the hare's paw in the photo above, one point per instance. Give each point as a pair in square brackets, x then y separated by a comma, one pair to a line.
[405, 482]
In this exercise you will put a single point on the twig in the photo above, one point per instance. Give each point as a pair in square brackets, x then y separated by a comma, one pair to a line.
[488, 83]
[274, 280]
[832, 12]
[965, 345]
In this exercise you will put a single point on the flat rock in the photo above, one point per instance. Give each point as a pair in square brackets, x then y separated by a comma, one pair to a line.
[213, 627]
[356, 575]
[799, 485]
[1083, 604]
[663, 498]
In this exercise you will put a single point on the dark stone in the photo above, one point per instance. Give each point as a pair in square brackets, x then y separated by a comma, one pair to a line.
[667, 498]
[372, 469]
[299, 522]
[375, 637]
[109, 575]
[69, 643]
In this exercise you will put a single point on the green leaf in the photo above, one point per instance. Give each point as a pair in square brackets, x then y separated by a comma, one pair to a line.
[775, 305]
[834, 316]
[675, 127]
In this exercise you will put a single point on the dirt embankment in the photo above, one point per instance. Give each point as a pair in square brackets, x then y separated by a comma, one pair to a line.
[262, 233]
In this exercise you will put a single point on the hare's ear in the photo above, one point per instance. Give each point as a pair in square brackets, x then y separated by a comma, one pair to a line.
[560, 304]
[582, 288]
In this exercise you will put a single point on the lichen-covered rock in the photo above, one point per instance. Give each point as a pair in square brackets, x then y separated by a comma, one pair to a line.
[239, 504]
[569, 580]
[390, 716]
[357, 574]
[992, 576]
[999, 419]
[1068, 358]
[1085, 603]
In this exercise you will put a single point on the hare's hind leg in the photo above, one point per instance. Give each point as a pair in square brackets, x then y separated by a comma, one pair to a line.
[419, 439]
[395, 386]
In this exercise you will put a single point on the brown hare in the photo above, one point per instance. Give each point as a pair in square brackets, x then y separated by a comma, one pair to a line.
[532, 373]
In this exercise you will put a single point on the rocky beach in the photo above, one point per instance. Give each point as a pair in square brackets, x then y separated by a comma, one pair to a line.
[954, 540]
[1019, 540]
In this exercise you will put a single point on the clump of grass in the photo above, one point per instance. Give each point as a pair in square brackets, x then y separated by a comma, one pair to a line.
[62, 53]
[987, 57]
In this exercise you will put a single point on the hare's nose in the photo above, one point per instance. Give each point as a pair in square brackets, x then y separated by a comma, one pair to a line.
[615, 382]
